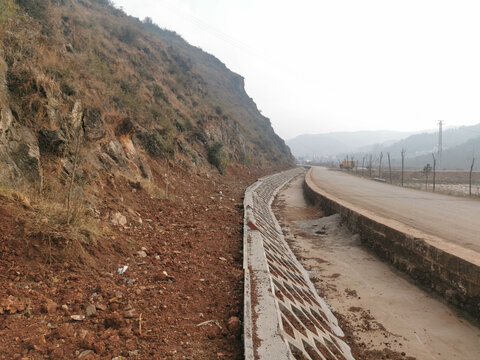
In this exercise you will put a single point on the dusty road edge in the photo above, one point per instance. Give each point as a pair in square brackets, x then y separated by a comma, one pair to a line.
[431, 261]
[283, 313]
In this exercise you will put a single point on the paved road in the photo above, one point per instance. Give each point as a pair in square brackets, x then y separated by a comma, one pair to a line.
[454, 219]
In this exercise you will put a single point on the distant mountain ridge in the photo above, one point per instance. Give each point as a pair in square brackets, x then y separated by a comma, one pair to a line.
[460, 145]
[455, 158]
[330, 144]
[426, 143]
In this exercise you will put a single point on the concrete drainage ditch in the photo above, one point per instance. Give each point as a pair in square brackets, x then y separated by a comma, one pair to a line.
[284, 318]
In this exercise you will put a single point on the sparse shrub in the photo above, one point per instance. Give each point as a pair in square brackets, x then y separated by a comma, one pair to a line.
[217, 157]
[199, 135]
[159, 93]
[145, 74]
[128, 34]
[180, 127]
[218, 110]
[35, 8]
[182, 62]
[7, 10]
[154, 144]
[68, 89]
[125, 127]
[128, 88]
[104, 2]
[194, 157]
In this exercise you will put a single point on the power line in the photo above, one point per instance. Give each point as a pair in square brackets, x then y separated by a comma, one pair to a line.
[199, 23]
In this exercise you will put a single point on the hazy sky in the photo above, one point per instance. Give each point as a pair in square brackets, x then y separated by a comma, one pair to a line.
[315, 66]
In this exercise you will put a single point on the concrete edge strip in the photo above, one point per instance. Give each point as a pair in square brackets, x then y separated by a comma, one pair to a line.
[284, 317]
[428, 260]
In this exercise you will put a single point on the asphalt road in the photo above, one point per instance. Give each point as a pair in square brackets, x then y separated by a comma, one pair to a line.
[454, 219]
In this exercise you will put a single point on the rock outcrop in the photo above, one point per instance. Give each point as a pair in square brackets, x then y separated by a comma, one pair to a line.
[19, 150]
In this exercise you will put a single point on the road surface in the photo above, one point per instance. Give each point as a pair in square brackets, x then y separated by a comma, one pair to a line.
[453, 219]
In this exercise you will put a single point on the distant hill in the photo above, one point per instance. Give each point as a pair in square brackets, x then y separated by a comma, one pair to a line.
[459, 146]
[331, 144]
[426, 143]
[455, 158]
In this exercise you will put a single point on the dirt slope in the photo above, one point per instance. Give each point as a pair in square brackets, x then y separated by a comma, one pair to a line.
[184, 259]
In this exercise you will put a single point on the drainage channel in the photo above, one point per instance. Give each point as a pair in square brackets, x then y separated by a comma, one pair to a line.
[383, 313]
[284, 318]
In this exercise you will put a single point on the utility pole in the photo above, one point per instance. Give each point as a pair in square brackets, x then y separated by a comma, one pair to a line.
[440, 145]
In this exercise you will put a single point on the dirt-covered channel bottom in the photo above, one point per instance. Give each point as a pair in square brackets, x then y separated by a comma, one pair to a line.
[384, 315]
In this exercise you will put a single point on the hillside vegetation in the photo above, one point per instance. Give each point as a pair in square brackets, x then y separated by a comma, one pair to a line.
[130, 89]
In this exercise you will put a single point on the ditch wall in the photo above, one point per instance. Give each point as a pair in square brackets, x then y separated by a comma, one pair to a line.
[454, 278]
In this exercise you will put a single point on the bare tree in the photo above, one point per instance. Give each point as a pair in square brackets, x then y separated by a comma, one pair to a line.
[167, 182]
[426, 171]
[470, 178]
[403, 162]
[370, 164]
[380, 165]
[389, 167]
[76, 155]
[363, 165]
[434, 166]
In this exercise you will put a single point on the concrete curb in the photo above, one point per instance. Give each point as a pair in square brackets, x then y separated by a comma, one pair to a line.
[425, 258]
[284, 318]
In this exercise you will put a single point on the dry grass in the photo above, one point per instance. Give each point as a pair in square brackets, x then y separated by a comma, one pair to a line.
[47, 213]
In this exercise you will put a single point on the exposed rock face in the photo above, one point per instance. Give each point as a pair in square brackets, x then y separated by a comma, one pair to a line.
[51, 142]
[115, 151]
[25, 153]
[19, 151]
[20, 156]
[93, 124]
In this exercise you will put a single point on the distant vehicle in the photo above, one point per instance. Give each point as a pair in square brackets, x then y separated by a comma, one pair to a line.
[348, 164]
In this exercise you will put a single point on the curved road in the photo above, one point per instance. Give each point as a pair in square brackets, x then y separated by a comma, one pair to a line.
[453, 219]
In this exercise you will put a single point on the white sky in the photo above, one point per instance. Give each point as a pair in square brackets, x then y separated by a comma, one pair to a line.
[315, 66]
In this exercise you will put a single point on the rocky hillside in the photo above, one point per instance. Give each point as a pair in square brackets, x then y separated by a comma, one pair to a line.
[121, 147]
[81, 77]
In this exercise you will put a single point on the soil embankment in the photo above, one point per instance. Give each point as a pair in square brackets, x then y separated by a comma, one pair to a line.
[181, 296]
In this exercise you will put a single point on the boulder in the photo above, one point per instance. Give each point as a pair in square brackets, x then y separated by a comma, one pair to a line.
[119, 219]
[115, 150]
[51, 142]
[25, 153]
[93, 124]
[19, 151]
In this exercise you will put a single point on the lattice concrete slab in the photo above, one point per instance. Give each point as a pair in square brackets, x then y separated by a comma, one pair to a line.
[284, 316]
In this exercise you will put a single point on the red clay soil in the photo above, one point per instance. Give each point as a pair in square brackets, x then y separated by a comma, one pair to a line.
[183, 300]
